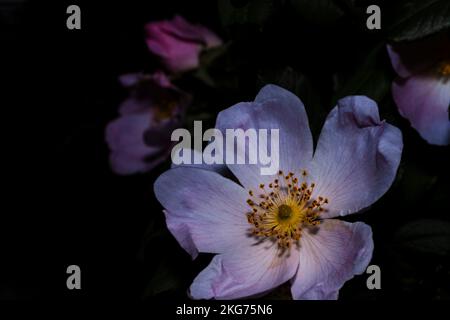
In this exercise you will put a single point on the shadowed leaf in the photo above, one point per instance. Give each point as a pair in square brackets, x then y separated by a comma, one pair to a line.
[420, 18]
[426, 235]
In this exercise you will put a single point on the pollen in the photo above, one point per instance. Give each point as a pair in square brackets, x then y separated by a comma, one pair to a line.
[281, 210]
[444, 68]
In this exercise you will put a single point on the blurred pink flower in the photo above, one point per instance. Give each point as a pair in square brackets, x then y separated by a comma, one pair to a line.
[179, 43]
[139, 139]
[422, 88]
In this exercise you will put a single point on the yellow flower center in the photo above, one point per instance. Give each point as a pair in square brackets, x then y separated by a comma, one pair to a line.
[283, 208]
[444, 68]
[165, 109]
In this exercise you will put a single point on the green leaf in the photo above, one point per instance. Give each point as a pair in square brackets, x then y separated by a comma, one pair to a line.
[285, 77]
[217, 68]
[415, 183]
[165, 279]
[203, 75]
[420, 18]
[317, 11]
[426, 236]
[370, 78]
[209, 56]
[256, 12]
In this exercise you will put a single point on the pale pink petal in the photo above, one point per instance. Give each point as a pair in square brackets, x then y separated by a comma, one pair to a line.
[424, 100]
[356, 158]
[203, 209]
[274, 108]
[248, 270]
[330, 256]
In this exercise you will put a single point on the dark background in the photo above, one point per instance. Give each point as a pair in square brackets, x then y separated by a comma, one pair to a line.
[62, 204]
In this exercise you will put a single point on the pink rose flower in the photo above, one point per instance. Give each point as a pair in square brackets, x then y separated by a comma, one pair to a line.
[267, 230]
[422, 88]
[179, 43]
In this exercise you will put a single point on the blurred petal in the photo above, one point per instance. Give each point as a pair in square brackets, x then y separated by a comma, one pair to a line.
[424, 100]
[178, 56]
[130, 79]
[274, 108]
[125, 138]
[246, 271]
[331, 256]
[194, 32]
[357, 156]
[149, 90]
[414, 57]
[140, 138]
[204, 209]
[134, 105]
[160, 131]
[179, 43]
[126, 164]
